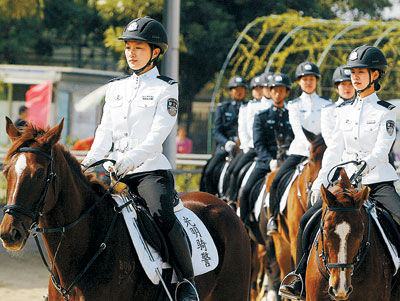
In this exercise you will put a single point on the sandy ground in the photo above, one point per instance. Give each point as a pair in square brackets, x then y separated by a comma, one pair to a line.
[23, 276]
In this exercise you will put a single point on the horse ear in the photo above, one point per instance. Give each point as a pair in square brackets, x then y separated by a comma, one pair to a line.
[309, 135]
[11, 130]
[54, 134]
[361, 197]
[344, 179]
[328, 197]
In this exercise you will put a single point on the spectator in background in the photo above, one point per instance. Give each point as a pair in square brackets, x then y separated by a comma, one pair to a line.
[184, 145]
[83, 144]
[20, 123]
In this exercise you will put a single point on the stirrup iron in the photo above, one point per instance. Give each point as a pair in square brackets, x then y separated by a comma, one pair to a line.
[292, 297]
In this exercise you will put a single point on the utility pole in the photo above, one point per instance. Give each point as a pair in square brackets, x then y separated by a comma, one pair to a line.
[170, 66]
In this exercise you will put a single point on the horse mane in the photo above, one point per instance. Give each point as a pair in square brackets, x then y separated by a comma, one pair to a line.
[32, 136]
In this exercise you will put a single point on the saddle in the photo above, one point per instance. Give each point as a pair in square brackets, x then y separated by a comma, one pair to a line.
[390, 227]
[149, 229]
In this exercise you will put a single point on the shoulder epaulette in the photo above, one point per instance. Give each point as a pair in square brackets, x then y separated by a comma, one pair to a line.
[346, 102]
[118, 78]
[327, 105]
[167, 79]
[386, 104]
[294, 100]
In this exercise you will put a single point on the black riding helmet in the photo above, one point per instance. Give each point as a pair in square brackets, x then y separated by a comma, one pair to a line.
[280, 80]
[307, 68]
[257, 81]
[237, 81]
[368, 57]
[341, 75]
[146, 30]
[267, 76]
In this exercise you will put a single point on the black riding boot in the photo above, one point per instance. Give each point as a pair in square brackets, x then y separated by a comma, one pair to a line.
[296, 288]
[182, 263]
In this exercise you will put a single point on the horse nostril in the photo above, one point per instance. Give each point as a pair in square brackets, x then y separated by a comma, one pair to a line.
[350, 290]
[331, 292]
[16, 235]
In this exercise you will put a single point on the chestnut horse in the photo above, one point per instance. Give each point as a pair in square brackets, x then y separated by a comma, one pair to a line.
[285, 241]
[45, 183]
[348, 260]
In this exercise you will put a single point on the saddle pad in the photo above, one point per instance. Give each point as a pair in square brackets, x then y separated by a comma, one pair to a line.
[221, 178]
[204, 252]
[260, 201]
[391, 248]
[298, 171]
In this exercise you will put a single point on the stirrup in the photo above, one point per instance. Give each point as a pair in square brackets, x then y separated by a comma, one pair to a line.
[191, 284]
[286, 295]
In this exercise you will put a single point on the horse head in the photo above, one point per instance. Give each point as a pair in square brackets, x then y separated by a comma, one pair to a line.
[283, 147]
[28, 170]
[342, 232]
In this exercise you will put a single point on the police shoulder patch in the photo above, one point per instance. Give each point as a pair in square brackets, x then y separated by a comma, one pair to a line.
[172, 106]
[386, 104]
[294, 100]
[118, 78]
[390, 125]
[167, 79]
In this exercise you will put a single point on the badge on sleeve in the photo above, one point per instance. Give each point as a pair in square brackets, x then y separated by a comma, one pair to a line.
[172, 106]
[390, 127]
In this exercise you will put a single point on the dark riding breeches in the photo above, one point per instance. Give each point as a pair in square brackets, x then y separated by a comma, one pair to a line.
[233, 173]
[157, 189]
[385, 193]
[289, 164]
[216, 159]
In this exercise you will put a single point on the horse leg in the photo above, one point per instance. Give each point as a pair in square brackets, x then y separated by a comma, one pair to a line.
[283, 256]
[255, 268]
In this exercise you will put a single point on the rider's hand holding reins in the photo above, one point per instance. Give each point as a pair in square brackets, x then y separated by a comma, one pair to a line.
[273, 164]
[229, 145]
[365, 171]
[315, 195]
[87, 162]
[124, 165]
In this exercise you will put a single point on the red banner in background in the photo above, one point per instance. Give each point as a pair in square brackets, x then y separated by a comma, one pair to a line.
[38, 102]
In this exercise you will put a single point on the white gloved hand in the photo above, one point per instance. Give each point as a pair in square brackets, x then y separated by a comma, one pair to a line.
[315, 196]
[229, 145]
[124, 165]
[246, 150]
[87, 162]
[273, 164]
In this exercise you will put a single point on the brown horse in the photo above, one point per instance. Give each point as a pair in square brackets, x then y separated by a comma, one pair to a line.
[285, 240]
[45, 183]
[348, 260]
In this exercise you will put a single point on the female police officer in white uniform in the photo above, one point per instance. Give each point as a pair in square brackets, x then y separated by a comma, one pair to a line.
[364, 130]
[139, 113]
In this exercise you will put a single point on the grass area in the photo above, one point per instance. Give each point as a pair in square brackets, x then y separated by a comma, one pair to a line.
[3, 187]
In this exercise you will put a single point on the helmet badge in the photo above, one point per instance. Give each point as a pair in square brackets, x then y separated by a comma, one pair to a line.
[307, 67]
[347, 72]
[278, 78]
[353, 56]
[133, 26]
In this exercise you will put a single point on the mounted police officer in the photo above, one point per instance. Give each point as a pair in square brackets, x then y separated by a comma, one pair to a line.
[139, 113]
[364, 131]
[270, 126]
[225, 129]
[341, 80]
[304, 112]
[245, 130]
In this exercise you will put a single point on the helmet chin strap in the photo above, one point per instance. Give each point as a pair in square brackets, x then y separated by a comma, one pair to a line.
[369, 85]
[151, 60]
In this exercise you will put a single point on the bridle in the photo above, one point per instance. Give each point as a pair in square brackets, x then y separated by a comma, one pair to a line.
[362, 250]
[37, 212]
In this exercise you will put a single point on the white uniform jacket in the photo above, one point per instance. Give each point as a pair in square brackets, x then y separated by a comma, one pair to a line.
[328, 119]
[365, 130]
[246, 120]
[138, 115]
[305, 111]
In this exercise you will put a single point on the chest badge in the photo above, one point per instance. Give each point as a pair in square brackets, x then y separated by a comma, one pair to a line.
[390, 127]
[172, 106]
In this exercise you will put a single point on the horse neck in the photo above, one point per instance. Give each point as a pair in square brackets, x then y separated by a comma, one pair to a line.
[69, 202]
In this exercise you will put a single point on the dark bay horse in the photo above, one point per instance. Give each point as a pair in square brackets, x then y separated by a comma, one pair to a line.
[348, 260]
[45, 183]
[285, 241]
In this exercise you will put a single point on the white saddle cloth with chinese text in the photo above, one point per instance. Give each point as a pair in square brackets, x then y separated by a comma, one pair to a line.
[204, 252]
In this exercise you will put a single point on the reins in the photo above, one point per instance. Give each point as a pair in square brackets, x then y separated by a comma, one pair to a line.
[36, 213]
